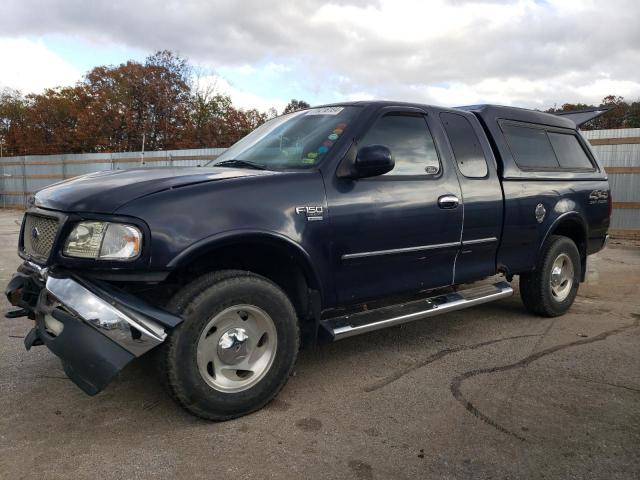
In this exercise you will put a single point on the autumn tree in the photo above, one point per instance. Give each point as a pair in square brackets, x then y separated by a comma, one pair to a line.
[620, 114]
[136, 100]
[570, 107]
[160, 100]
[238, 123]
[615, 117]
[55, 121]
[113, 108]
[12, 122]
[208, 110]
[295, 105]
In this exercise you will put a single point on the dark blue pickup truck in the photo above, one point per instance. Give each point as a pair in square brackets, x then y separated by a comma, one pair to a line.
[319, 225]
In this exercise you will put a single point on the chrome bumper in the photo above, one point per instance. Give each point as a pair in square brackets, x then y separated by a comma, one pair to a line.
[95, 328]
[136, 335]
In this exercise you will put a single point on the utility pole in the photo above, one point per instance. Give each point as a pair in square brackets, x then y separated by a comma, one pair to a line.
[142, 155]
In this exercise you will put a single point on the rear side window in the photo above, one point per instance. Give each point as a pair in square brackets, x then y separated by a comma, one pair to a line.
[410, 142]
[569, 151]
[465, 145]
[531, 147]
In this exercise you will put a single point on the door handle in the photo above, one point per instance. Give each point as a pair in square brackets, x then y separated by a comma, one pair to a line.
[448, 201]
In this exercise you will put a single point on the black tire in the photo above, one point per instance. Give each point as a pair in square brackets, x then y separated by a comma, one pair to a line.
[197, 303]
[535, 287]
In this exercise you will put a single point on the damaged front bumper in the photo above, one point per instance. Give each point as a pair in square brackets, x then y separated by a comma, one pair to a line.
[95, 328]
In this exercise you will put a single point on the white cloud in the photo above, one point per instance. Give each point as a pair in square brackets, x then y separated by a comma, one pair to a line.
[519, 52]
[245, 69]
[605, 86]
[523, 92]
[29, 66]
[241, 98]
[276, 68]
[356, 96]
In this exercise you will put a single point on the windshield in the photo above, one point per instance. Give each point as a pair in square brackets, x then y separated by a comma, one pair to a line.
[296, 140]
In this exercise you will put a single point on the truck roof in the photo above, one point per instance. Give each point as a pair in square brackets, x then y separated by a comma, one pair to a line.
[487, 112]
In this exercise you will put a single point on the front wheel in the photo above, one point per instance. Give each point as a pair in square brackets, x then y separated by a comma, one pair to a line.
[552, 287]
[236, 347]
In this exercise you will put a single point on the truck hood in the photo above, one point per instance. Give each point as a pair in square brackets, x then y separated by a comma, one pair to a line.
[105, 192]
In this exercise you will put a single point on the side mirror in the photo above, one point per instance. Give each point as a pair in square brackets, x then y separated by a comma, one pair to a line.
[371, 161]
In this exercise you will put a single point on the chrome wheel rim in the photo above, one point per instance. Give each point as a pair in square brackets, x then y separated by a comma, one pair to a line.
[236, 348]
[561, 277]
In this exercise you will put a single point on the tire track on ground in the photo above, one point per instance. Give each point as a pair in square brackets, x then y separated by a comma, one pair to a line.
[437, 356]
[457, 381]
[515, 385]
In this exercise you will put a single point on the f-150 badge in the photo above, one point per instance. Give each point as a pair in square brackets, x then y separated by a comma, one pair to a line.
[313, 213]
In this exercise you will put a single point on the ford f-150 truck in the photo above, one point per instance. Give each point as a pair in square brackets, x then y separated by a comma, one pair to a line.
[319, 225]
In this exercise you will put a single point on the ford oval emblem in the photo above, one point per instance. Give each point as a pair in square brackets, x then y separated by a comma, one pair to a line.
[35, 233]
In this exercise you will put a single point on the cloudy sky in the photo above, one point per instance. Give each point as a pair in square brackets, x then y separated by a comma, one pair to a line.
[533, 53]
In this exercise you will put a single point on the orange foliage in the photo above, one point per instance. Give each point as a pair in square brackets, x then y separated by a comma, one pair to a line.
[114, 106]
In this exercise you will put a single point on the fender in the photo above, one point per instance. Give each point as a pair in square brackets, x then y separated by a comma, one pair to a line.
[230, 237]
[571, 216]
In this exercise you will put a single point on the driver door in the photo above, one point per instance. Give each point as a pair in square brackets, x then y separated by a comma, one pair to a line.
[393, 233]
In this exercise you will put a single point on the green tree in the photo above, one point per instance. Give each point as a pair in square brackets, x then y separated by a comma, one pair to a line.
[632, 119]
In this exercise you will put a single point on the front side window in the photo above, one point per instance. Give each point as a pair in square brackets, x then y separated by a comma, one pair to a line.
[410, 142]
[297, 140]
[465, 145]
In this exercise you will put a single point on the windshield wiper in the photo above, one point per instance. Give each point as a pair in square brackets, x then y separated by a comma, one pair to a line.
[240, 164]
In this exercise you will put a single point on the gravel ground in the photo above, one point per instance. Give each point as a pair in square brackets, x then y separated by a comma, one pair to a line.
[491, 392]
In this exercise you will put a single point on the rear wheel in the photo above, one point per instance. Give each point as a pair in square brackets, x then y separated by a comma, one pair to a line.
[236, 347]
[552, 287]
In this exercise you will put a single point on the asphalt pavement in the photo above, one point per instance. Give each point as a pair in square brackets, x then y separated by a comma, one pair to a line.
[490, 392]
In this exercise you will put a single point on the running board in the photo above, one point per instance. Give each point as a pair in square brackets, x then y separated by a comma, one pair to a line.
[368, 321]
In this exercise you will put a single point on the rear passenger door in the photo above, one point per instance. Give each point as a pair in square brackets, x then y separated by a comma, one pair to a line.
[481, 196]
[393, 233]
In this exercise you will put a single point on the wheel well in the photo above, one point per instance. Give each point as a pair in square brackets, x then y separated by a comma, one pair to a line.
[277, 263]
[574, 230]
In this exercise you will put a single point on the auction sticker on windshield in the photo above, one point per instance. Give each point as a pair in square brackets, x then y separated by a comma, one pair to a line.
[325, 111]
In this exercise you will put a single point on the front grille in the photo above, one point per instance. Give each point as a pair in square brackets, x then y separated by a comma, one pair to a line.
[39, 234]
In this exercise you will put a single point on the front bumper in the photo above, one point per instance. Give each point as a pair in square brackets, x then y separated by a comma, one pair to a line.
[95, 328]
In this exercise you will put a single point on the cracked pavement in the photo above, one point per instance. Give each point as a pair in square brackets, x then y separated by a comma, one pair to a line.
[489, 392]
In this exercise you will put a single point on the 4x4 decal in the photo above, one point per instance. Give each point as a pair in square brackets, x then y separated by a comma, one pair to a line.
[599, 196]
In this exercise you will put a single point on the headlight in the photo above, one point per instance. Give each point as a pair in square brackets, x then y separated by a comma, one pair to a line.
[85, 239]
[104, 241]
